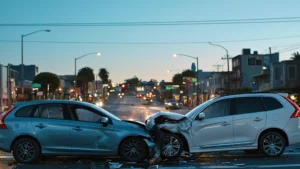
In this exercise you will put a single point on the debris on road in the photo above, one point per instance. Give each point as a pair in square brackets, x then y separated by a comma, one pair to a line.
[114, 165]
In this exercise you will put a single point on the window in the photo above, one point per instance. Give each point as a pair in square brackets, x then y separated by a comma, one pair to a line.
[277, 73]
[249, 105]
[291, 72]
[258, 62]
[50, 111]
[251, 61]
[83, 114]
[24, 111]
[271, 103]
[217, 109]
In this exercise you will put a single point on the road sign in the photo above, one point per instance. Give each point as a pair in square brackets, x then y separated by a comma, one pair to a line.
[36, 85]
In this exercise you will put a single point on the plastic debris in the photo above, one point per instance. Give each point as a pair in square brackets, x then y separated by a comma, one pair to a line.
[115, 165]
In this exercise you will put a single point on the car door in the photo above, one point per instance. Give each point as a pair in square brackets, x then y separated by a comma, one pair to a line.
[249, 119]
[52, 129]
[88, 135]
[216, 129]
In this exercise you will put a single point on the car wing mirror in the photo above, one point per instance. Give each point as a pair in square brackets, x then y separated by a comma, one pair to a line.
[104, 121]
[201, 116]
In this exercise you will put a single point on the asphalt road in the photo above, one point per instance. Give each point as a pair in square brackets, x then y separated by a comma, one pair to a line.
[130, 107]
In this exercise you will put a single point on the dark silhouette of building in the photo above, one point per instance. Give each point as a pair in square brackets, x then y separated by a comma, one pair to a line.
[30, 71]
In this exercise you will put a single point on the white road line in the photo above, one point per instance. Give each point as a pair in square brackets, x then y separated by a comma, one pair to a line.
[7, 157]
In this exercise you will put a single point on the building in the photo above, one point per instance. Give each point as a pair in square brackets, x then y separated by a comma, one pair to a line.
[216, 84]
[4, 91]
[247, 65]
[285, 76]
[261, 82]
[30, 71]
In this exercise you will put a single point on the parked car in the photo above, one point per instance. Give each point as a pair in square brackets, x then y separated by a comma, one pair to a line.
[172, 104]
[62, 128]
[265, 122]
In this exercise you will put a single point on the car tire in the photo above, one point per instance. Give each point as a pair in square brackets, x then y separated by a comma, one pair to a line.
[26, 151]
[166, 108]
[134, 149]
[171, 150]
[272, 144]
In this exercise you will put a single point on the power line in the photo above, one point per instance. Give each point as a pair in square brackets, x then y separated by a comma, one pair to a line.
[148, 43]
[162, 23]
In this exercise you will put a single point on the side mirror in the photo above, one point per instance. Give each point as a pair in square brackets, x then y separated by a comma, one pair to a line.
[201, 116]
[104, 120]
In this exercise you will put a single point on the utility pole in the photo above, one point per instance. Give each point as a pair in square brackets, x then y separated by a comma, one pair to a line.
[218, 67]
[228, 72]
[270, 52]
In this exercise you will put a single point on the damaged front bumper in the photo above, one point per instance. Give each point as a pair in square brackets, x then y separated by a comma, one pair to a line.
[151, 147]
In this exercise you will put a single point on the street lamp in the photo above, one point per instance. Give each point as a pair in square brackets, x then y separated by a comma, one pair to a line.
[227, 57]
[175, 55]
[98, 54]
[22, 54]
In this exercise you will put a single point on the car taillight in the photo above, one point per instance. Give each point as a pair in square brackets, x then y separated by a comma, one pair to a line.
[296, 113]
[2, 117]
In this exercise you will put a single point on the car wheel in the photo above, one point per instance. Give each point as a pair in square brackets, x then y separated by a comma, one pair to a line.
[171, 146]
[134, 149]
[26, 151]
[166, 108]
[256, 151]
[272, 144]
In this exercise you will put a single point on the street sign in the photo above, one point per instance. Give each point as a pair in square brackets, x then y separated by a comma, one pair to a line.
[36, 85]
[169, 87]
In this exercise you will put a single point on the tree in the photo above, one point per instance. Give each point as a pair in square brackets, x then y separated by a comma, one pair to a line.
[188, 73]
[177, 79]
[45, 79]
[103, 74]
[133, 81]
[296, 56]
[85, 75]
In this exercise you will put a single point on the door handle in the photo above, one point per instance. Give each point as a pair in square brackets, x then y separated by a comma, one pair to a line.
[41, 126]
[225, 124]
[257, 119]
[77, 128]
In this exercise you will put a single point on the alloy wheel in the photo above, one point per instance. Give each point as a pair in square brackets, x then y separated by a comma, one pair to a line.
[133, 149]
[273, 145]
[171, 146]
[25, 151]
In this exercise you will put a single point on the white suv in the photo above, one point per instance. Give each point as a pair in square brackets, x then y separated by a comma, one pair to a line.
[265, 122]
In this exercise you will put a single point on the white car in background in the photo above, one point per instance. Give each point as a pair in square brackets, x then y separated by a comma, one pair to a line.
[265, 122]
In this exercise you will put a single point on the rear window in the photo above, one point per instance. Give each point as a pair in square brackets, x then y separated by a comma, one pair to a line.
[271, 103]
[24, 111]
[246, 105]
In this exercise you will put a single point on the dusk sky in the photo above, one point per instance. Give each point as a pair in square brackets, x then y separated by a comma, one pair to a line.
[146, 61]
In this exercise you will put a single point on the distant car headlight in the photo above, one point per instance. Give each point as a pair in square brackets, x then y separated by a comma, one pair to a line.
[100, 104]
[119, 94]
[151, 100]
[170, 104]
[177, 104]
[122, 94]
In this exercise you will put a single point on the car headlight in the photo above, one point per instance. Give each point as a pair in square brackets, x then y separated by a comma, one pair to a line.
[101, 104]
[177, 104]
[122, 94]
[170, 104]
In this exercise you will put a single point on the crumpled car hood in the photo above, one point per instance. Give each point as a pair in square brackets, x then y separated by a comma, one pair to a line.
[163, 117]
[137, 123]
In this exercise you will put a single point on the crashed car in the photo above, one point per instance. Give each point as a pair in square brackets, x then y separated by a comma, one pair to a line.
[68, 128]
[258, 122]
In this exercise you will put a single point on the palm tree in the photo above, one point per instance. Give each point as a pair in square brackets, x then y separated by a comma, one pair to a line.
[104, 74]
[296, 56]
[85, 75]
